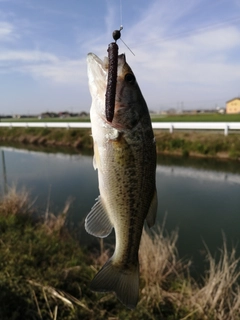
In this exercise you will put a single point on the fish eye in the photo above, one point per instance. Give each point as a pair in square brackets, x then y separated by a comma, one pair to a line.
[129, 77]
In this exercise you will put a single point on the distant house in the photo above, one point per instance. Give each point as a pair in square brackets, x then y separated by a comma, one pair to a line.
[48, 115]
[83, 114]
[233, 106]
[221, 110]
[64, 114]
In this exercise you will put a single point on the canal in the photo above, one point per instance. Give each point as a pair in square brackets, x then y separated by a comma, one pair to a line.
[199, 197]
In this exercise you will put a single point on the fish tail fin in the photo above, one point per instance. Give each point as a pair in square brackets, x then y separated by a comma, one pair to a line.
[124, 282]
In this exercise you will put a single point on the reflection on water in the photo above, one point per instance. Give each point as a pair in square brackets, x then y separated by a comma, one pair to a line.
[202, 204]
[199, 174]
[209, 164]
[200, 197]
[63, 175]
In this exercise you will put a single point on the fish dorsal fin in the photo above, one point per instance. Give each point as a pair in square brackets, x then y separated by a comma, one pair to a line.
[97, 221]
[152, 212]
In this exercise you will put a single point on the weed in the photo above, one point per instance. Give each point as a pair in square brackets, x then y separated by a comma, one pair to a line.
[196, 143]
[45, 274]
[185, 143]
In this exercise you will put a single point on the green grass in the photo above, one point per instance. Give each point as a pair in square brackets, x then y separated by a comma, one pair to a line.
[36, 264]
[208, 144]
[45, 274]
[205, 144]
[79, 138]
[70, 119]
[201, 117]
[214, 117]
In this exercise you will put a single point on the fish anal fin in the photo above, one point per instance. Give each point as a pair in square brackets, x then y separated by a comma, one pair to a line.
[124, 283]
[97, 222]
[152, 212]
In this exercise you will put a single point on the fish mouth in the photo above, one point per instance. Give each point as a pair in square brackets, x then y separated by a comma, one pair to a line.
[97, 75]
[98, 78]
[97, 67]
[95, 64]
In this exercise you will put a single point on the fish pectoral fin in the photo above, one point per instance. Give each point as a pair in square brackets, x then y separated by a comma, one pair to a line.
[97, 221]
[152, 212]
[125, 283]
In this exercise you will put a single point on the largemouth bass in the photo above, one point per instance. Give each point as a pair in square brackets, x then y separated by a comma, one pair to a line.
[125, 156]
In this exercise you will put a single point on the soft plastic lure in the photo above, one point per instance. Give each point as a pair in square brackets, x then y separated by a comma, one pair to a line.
[112, 76]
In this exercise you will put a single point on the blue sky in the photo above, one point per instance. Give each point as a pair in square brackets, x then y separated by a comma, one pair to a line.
[187, 52]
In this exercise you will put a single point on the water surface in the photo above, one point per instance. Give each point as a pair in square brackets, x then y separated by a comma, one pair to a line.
[200, 197]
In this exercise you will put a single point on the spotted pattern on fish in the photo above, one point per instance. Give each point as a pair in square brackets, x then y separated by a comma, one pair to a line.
[125, 157]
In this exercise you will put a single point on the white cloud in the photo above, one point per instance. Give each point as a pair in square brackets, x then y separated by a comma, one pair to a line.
[217, 40]
[27, 56]
[6, 30]
[177, 57]
[68, 72]
[45, 65]
[199, 64]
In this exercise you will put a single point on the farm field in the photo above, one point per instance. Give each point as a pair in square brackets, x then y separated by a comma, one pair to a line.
[204, 117]
[31, 119]
[213, 117]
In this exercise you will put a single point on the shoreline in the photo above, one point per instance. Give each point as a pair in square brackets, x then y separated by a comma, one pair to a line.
[180, 143]
[45, 267]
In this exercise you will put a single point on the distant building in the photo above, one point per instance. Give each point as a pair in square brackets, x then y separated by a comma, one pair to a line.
[48, 115]
[83, 114]
[64, 114]
[233, 106]
[221, 110]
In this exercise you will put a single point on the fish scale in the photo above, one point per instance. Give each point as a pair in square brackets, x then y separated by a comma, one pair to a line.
[125, 157]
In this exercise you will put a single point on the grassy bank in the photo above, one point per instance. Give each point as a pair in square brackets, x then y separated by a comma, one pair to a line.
[78, 138]
[45, 274]
[198, 117]
[204, 144]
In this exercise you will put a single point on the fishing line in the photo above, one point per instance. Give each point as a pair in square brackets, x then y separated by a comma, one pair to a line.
[121, 18]
[127, 47]
[112, 71]
[117, 33]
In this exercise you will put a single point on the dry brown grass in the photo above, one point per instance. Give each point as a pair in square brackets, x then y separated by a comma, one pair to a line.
[52, 293]
[16, 202]
[53, 223]
[220, 294]
[159, 265]
[166, 278]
